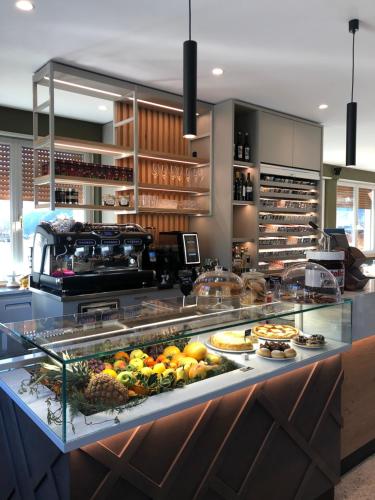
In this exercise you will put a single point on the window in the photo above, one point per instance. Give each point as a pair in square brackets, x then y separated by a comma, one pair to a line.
[354, 213]
[5, 233]
[32, 217]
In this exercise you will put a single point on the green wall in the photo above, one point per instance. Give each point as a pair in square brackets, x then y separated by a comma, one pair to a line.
[20, 121]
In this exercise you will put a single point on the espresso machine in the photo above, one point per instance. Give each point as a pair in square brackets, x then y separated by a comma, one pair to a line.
[90, 258]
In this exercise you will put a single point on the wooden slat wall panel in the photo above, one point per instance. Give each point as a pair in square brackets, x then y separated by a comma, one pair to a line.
[162, 132]
[4, 171]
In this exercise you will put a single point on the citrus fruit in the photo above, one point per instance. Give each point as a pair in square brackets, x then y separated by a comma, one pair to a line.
[147, 371]
[121, 355]
[110, 372]
[170, 351]
[196, 350]
[136, 364]
[158, 368]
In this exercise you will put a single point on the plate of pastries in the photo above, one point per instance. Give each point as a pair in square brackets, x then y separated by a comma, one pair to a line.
[276, 351]
[233, 341]
[309, 341]
[275, 332]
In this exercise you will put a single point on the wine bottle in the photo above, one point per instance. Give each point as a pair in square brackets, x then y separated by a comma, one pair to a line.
[246, 148]
[239, 147]
[243, 188]
[249, 188]
[236, 187]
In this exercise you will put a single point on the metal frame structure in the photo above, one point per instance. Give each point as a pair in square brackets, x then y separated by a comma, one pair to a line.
[46, 76]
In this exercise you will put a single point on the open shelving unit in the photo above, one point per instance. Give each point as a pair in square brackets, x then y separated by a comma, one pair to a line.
[145, 134]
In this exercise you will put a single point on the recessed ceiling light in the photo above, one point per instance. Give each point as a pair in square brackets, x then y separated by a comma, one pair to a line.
[26, 5]
[323, 106]
[217, 71]
[102, 107]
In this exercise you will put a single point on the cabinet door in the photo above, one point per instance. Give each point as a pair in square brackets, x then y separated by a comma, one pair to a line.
[307, 146]
[276, 139]
[15, 309]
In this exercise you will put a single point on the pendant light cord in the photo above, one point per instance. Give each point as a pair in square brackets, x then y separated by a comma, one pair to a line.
[189, 19]
[352, 64]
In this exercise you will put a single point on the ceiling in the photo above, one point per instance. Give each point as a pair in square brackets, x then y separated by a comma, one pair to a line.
[290, 55]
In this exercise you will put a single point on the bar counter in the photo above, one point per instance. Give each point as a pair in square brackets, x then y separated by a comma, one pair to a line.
[223, 437]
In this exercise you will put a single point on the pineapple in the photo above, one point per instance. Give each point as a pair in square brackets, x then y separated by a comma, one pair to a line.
[77, 374]
[104, 389]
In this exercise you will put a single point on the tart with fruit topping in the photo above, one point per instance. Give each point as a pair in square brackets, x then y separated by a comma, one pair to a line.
[275, 332]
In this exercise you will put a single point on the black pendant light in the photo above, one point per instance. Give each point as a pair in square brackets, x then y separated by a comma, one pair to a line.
[351, 110]
[190, 85]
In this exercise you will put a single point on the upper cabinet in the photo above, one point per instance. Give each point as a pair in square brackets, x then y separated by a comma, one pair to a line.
[276, 139]
[284, 141]
[307, 150]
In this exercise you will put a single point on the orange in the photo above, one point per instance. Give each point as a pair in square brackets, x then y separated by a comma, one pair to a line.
[149, 361]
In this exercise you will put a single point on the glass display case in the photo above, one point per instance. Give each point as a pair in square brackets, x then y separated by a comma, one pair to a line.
[87, 376]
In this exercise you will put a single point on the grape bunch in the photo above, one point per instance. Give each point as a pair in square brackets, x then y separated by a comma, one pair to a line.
[95, 365]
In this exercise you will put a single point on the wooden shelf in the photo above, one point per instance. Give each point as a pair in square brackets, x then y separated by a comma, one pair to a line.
[172, 158]
[96, 207]
[174, 189]
[285, 234]
[83, 181]
[242, 203]
[178, 211]
[243, 164]
[68, 144]
[286, 196]
[288, 185]
[263, 208]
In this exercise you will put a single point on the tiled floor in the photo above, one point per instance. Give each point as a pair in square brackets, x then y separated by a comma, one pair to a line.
[359, 483]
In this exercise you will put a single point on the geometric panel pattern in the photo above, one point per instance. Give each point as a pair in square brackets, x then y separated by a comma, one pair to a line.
[279, 439]
[31, 466]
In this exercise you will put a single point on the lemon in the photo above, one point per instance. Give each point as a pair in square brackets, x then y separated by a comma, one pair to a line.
[159, 368]
[136, 364]
[110, 372]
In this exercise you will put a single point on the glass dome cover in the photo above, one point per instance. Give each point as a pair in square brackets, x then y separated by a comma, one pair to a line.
[309, 283]
[218, 289]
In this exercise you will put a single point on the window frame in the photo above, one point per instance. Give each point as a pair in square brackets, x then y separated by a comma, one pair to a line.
[356, 186]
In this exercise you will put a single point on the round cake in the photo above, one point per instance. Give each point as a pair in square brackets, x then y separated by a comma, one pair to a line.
[233, 341]
[275, 332]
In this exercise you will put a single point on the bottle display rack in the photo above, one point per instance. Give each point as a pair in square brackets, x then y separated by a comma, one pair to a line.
[286, 206]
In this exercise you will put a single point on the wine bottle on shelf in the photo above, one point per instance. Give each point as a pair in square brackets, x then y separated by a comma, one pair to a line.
[249, 188]
[246, 148]
[243, 188]
[237, 187]
[239, 147]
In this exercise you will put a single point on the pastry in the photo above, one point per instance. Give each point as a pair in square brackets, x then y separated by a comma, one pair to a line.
[309, 340]
[275, 332]
[277, 354]
[263, 351]
[234, 341]
[290, 353]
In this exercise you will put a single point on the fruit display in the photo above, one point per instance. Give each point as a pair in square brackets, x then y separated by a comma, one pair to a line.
[276, 350]
[275, 332]
[116, 382]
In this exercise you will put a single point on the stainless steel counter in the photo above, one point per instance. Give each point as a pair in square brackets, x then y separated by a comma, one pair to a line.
[87, 297]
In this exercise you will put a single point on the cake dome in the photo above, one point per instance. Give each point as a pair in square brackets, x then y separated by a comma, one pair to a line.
[218, 289]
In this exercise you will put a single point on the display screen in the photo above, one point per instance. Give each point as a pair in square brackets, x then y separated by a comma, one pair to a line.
[191, 248]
